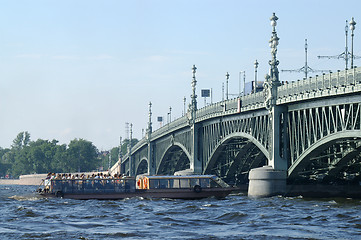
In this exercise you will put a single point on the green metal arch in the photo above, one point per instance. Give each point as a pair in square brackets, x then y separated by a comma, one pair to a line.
[322, 143]
[181, 146]
[139, 163]
[212, 158]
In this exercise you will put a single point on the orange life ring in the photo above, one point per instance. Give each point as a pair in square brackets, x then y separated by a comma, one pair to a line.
[145, 183]
[138, 182]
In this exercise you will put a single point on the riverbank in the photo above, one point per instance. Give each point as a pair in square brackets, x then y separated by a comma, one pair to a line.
[31, 179]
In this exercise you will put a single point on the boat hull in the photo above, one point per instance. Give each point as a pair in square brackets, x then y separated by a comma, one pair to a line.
[150, 193]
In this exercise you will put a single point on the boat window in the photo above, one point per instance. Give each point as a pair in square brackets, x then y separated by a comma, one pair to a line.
[205, 182]
[184, 183]
[174, 183]
[170, 183]
[153, 183]
[194, 181]
[163, 183]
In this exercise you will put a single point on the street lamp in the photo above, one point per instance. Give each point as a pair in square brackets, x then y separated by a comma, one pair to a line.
[352, 28]
[170, 114]
[273, 44]
[227, 78]
[184, 105]
[272, 79]
[255, 75]
[244, 83]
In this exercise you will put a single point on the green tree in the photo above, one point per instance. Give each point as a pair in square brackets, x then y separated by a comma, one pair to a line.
[21, 164]
[82, 155]
[21, 140]
[5, 165]
[41, 155]
[60, 161]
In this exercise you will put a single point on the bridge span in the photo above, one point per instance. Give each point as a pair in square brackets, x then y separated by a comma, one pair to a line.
[309, 130]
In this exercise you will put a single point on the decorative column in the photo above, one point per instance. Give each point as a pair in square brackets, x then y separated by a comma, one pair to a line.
[120, 156]
[255, 76]
[184, 105]
[151, 163]
[271, 180]
[352, 28]
[131, 163]
[195, 163]
[227, 78]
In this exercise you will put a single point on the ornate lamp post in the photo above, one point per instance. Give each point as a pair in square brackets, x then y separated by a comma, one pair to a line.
[271, 180]
[150, 146]
[255, 75]
[276, 148]
[170, 114]
[227, 78]
[193, 105]
[184, 105]
[195, 162]
[150, 119]
[272, 79]
[352, 28]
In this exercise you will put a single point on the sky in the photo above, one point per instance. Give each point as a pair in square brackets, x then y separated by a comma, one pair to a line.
[84, 69]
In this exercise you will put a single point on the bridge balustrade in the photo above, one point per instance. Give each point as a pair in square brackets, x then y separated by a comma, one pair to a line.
[358, 77]
[350, 78]
[319, 82]
[212, 109]
[252, 101]
[334, 81]
[326, 81]
[342, 79]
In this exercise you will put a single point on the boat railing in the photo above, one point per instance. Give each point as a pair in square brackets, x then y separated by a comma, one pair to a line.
[92, 186]
[179, 182]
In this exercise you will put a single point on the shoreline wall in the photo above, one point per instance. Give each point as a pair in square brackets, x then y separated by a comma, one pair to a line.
[34, 179]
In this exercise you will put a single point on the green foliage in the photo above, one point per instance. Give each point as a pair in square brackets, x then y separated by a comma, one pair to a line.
[4, 163]
[82, 155]
[43, 156]
[21, 140]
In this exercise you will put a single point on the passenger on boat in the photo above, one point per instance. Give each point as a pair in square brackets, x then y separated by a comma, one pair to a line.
[47, 182]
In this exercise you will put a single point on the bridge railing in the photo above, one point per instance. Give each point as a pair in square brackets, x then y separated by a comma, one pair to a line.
[219, 108]
[252, 101]
[175, 124]
[328, 81]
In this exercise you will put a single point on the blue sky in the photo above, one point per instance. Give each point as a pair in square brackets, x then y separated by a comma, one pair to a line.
[82, 69]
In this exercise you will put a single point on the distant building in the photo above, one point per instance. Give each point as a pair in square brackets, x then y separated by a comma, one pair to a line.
[250, 86]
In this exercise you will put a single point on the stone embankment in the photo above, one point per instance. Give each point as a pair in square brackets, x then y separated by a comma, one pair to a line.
[32, 179]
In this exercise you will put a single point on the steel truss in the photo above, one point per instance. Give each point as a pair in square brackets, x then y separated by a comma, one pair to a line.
[325, 141]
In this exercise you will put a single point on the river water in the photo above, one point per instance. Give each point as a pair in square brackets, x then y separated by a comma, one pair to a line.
[24, 215]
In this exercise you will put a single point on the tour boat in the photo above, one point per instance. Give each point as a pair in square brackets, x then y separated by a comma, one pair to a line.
[173, 187]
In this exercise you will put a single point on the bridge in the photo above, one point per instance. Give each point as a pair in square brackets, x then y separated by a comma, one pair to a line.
[308, 130]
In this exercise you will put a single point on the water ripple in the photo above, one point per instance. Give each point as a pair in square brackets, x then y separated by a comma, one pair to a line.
[25, 216]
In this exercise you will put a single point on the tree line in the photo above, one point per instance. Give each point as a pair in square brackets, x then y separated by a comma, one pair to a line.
[43, 156]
